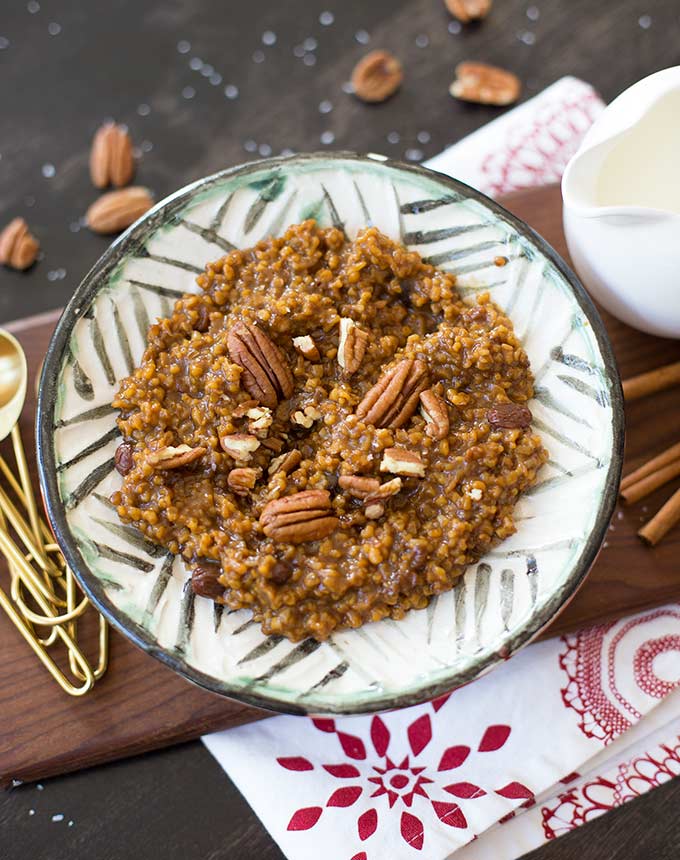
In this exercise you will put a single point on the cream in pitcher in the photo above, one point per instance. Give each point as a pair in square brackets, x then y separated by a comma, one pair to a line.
[622, 206]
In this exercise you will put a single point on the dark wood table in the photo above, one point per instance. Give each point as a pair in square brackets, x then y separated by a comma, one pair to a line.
[66, 66]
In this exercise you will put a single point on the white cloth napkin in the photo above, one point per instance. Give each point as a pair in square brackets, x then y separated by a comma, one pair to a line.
[566, 730]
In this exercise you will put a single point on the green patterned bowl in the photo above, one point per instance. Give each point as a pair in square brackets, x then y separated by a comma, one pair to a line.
[500, 603]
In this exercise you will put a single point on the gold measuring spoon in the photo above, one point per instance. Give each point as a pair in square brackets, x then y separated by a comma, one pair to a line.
[13, 383]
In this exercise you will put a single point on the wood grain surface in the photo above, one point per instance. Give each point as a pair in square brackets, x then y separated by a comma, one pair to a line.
[141, 705]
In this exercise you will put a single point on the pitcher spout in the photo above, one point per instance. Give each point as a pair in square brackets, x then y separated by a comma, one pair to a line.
[627, 165]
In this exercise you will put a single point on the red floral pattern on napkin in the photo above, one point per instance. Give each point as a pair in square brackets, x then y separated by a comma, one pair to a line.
[396, 786]
[599, 794]
[598, 674]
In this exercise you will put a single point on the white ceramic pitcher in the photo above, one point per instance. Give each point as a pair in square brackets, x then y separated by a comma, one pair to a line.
[621, 195]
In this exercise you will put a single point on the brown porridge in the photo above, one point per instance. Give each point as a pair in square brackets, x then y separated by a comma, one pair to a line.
[327, 433]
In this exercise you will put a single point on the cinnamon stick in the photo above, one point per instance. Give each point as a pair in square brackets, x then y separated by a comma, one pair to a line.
[651, 382]
[645, 486]
[662, 522]
[653, 465]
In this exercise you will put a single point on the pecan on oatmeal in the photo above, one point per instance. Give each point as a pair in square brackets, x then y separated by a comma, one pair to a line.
[342, 437]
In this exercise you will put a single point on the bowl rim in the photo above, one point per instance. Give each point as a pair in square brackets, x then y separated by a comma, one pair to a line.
[426, 691]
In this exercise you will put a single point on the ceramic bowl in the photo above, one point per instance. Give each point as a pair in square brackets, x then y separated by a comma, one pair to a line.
[501, 602]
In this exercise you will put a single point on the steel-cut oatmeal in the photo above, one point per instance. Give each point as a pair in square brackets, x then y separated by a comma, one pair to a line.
[327, 433]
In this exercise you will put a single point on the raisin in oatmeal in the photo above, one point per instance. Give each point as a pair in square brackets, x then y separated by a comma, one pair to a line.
[328, 433]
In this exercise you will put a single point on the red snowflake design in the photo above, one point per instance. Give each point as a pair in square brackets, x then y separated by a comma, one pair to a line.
[596, 672]
[598, 795]
[537, 153]
[386, 784]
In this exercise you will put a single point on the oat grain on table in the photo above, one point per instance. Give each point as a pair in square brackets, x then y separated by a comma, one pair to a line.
[226, 375]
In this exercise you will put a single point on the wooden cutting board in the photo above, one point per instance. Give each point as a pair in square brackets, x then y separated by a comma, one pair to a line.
[141, 705]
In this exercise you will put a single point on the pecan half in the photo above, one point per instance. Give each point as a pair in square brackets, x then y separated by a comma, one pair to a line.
[377, 76]
[111, 159]
[241, 481]
[265, 376]
[240, 446]
[400, 461]
[116, 210]
[436, 414]
[205, 580]
[285, 462]
[123, 457]
[18, 247]
[298, 518]
[468, 10]
[174, 457]
[306, 346]
[509, 416]
[484, 84]
[352, 345]
[394, 397]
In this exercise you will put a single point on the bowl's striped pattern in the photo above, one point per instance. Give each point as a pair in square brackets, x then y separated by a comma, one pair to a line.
[501, 600]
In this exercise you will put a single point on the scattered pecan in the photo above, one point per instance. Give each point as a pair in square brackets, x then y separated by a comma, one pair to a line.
[205, 580]
[111, 159]
[484, 84]
[116, 210]
[301, 419]
[260, 420]
[394, 398]
[285, 463]
[419, 558]
[265, 376]
[174, 458]
[371, 492]
[202, 323]
[242, 409]
[241, 481]
[18, 247]
[273, 444]
[306, 346]
[468, 10]
[435, 412]
[377, 76]
[374, 510]
[359, 486]
[306, 418]
[281, 572]
[352, 345]
[240, 446]
[298, 518]
[384, 491]
[374, 505]
[509, 416]
[123, 457]
[400, 461]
